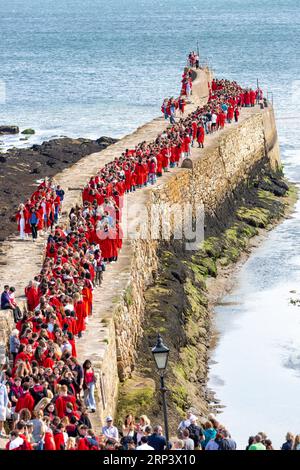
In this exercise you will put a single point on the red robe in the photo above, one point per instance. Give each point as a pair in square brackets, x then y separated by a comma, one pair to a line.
[61, 403]
[194, 128]
[59, 441]
[88, 299]
[83, 444]
[80, 316]
[25, 401]
[230, 113]
[32, 298]
[221, 118]
[49, 441]
[200, 135]
[165, 157]
[139, 171]
[186, 142]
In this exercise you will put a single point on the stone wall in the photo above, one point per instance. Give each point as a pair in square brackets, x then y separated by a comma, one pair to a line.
[6, 326]
[214, 175]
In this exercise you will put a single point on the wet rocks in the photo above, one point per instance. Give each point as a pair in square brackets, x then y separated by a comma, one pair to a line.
[28, 132]
[9, 130]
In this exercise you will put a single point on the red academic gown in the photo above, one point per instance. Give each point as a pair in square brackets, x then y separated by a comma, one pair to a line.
[32, 298]
[80, 316]
[25, 401]
[49, 441]
[59, 441]
[139, 171]
[194, 128]
[200, 135]
[61, 403]
[230, 113]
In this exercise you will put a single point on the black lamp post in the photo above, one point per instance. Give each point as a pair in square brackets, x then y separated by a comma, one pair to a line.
[161, 353]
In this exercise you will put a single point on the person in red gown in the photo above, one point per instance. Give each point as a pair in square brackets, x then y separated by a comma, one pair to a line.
[32, 295]
[80, 311]
[62, 400]
[236, 114]
[200, 136]
[194, 131]
[25, 401]
[230, 113]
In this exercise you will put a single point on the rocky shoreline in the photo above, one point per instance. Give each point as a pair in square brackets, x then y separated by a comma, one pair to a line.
[180, 303]
[21, 168]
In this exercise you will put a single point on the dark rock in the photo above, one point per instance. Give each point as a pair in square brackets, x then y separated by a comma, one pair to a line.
[273, 187]
[9, 130]
[279, 182]
[106, 140]
[2, 159]
[187, 163]
[35, 171]
[28, 131]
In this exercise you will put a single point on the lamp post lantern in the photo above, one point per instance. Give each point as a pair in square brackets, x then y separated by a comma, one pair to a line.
[161, 354]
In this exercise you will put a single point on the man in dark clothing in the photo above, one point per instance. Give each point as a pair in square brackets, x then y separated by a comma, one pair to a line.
[38, 391]
[288, 445]
[195, 431]
[8, 302]
[5, 300]
[226, 443]
[157, 440]
[60, 193]
[33, 221]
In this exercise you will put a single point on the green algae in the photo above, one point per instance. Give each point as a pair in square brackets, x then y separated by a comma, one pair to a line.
[257, 216]
[128, 297]
[135, 396]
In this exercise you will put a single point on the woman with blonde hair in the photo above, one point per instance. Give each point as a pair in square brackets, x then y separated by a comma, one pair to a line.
[41, 405]
[289, 444]
[57, 351]
[22, 219]
[22, 368]
[71, 443]
[141, 426]
[297, 442]
[65, 421]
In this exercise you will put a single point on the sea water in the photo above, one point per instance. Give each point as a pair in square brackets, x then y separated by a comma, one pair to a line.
[102, 67]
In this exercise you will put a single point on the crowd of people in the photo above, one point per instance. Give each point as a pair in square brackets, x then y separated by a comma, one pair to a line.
[40, 211]
[45, 429]
[193, 59]
[45, 393]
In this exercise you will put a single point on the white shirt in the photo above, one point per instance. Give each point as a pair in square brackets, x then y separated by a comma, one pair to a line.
[144, 447]
[110, 431]
[184, 424]
[69, 306]
[44, 207]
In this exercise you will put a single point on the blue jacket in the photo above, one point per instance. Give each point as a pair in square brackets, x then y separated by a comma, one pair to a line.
[157, 442]
[5, 300]
[33, 218]
[60, 193]
[14, 344]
